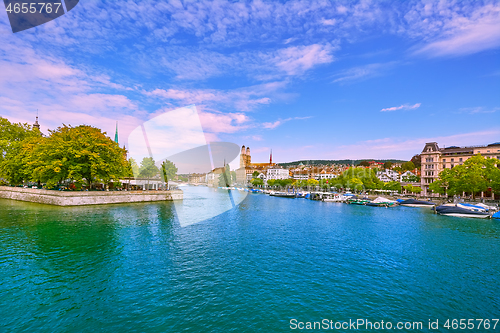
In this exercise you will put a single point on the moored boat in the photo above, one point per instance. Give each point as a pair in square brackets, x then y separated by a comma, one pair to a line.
[382, 202]
[449, 210]
[417, 203]
[283, 195]
[357, 201]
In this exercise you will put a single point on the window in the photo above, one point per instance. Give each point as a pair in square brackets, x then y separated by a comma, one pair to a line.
[444, 160]
[452, 159]
[460, 159]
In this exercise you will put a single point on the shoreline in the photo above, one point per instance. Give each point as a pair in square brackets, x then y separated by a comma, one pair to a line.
[84, 198]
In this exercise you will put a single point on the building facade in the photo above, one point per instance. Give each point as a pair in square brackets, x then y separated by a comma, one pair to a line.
[435, 159]
[277, 173]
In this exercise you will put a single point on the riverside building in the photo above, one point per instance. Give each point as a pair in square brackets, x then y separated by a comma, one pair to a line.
[435, 159]
[247, 168]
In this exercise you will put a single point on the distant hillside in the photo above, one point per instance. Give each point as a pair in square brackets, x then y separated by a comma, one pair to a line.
[328, 162]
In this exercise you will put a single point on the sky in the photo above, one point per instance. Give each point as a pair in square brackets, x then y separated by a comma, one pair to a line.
[307, 79]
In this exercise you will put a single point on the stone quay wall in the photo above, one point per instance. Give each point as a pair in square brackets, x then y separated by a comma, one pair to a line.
[81, 198]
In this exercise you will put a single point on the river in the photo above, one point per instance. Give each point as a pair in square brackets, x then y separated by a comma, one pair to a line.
[254, 268]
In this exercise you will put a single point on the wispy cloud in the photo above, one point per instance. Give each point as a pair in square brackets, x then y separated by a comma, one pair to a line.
[273, 125]
[455, 29]
[479, 109]
[363, 72]
[298, 59]
[402, 107]
[243, 99]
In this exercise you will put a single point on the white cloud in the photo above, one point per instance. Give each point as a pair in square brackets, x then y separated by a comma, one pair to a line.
[328, 21]
[402, 107]
[455, 29]
[243, 99]
[363, 72]
[273, 125]
[298, 59]
[479, 109]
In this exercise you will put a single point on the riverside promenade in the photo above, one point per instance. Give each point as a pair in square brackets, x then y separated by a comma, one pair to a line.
[83, 198]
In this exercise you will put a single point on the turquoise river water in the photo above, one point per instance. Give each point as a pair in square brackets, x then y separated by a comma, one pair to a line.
[255, 268]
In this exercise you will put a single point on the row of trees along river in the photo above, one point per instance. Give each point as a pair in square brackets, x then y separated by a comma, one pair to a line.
[81, 155]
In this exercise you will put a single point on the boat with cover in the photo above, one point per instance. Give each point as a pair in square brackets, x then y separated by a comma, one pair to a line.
[382, 202]
[488, 208]
[416, 203]
[283, 195]
[335, 197]
[450, 210]
[363, 201]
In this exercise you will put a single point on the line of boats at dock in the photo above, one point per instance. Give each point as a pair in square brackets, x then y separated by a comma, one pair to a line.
[458, 209]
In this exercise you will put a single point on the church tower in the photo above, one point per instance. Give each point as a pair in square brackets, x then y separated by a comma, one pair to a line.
[36, 124]
[242, 157]
[116, 133]
[248, 157]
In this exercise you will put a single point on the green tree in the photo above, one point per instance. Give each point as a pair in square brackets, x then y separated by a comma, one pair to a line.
[438, 186]
[77, 153]
[168, 171]
[148, 168]
[475, 175]
[408, 166]
[364, 164]
[352, 177]
[133, 168]
[19, 163]
[12, 140]
[356, 183]
[417, 161]
[312, 182]
[255, 174]
[387, 165]
[412, 189]
[257, 182]
[392, 186]
[225, 177]
[271, 182]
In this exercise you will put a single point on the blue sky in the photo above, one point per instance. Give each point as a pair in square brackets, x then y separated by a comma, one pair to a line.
[309, 80]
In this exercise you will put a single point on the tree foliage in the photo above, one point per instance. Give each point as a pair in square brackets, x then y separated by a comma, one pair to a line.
[359, 178]
[417, 161]
[477, 174]
[392, 186]
[408, 166]
[168, 170]
[257, 182]
[412, 189]
[225, 177]
[68, 153]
